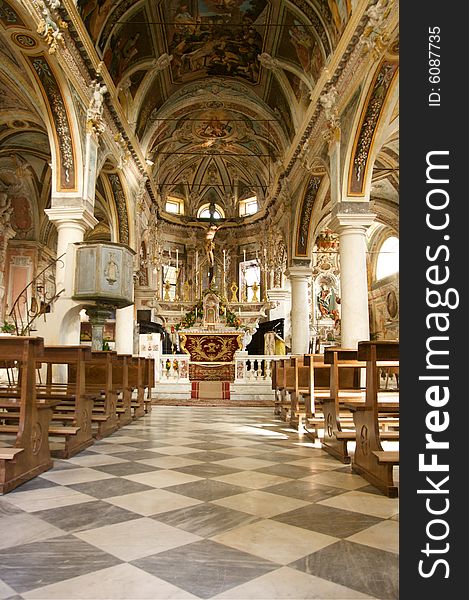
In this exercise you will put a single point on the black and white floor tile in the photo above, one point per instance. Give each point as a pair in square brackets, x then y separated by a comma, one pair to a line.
[205, 503]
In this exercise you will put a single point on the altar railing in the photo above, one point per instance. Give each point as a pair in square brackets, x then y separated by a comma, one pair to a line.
[252, 369]
[174, 367]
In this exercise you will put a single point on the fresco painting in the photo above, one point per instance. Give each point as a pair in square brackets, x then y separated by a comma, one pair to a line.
[129, 44]
[307, 51]
[215, 37]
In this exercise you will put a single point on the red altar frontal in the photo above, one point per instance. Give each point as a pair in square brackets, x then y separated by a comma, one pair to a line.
[212, 354]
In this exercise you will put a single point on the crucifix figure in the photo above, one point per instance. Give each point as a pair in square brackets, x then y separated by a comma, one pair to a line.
[209, 248]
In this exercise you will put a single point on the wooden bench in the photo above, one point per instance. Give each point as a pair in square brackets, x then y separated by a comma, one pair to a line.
[284, 383]
[136, 368]
[72, 416]
[29, 452]
[370, 459]
[277, 381]
[345, 390]
[100, 385]
[298, 386]
[320, 391]
[310, 381]
[148, 382]
[121, 383]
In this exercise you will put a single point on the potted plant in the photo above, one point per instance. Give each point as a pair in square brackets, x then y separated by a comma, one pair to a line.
[7, 328]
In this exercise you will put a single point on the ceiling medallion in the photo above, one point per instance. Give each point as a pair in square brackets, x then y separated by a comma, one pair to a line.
[24, 41]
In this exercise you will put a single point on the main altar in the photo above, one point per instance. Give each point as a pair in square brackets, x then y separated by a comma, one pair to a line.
[210, 333]
[212, 336]
[207, 323]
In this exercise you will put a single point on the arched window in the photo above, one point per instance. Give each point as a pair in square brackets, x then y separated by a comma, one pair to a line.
[388, 258]
[204, 212]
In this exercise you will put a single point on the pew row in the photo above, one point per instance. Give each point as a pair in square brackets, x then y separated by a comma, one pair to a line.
[346, 391]
[24, 418]
[70, 429]
[371, 460]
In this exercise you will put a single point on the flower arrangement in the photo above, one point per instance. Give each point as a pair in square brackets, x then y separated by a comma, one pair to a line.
[196, 313]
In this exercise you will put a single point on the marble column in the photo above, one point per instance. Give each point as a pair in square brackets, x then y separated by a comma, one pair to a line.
[125, 330]
[72, 223]
[98, 316]
[351, 220]
[300, 277]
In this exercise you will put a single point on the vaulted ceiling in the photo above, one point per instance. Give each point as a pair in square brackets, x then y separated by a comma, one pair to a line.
[215, 89]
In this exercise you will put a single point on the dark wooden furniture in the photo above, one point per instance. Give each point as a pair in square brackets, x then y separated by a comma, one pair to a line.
[23, 416]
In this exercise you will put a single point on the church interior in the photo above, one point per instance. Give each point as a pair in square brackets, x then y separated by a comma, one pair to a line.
[199, 298]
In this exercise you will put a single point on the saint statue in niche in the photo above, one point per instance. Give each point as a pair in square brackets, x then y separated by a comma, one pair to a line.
[327, 303]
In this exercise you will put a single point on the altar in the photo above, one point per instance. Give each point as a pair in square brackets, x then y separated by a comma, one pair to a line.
[211, 340]
[212, 354]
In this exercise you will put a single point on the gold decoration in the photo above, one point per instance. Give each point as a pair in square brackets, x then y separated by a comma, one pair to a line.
[185, 291]
[210, 347]
[167, 287]
[244, 297]
[255, 288]
[234, 292]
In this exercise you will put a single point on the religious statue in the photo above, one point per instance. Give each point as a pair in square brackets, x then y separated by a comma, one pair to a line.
[327, 303]
[209, 248]
[95, 109]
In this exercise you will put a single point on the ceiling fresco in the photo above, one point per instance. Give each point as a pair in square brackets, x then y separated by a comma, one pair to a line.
[166, 55]
[215, 38]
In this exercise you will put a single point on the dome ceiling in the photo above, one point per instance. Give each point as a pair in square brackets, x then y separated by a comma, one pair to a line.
[215, 89]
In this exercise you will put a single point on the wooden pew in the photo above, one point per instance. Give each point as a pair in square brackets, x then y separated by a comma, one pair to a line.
[72, 416]
[148, 382]
[29, 453]
[320, 377]
[311, 378]
[284, 386]
[121, 383]
[99, 375]
[277, 382]
[136, 367]
[300, 385]
[371, 460]
[100, 385]
[344, 386]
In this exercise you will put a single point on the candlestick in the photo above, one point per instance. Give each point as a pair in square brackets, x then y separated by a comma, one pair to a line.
[224, 260]
[177, 259]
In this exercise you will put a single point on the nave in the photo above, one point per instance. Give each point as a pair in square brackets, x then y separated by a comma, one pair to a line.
[192, 502]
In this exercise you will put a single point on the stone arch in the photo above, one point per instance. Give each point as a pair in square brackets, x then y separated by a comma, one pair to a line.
[48, 87]
[313, 193]
[379, 96]
[120, 197]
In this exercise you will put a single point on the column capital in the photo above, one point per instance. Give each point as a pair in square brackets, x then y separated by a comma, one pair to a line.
[351, 214]
[299, 272]
[278, 295]
[67, 215]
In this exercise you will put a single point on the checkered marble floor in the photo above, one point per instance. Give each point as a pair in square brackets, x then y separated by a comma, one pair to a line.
[194, 502]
